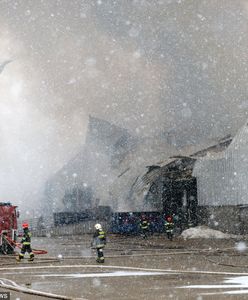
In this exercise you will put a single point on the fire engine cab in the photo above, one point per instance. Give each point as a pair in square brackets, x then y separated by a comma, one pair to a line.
[8, 227]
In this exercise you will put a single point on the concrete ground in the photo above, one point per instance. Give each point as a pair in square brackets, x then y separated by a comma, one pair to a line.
[134, 269]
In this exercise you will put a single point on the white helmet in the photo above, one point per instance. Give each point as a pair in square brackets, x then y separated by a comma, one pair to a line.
[98, 226]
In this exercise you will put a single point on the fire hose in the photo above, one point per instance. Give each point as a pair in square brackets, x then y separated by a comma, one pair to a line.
[19, 245]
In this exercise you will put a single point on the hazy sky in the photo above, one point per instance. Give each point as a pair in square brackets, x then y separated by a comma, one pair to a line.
[154, 67]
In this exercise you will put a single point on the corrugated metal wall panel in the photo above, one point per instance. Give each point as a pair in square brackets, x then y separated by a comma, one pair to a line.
[224, 181]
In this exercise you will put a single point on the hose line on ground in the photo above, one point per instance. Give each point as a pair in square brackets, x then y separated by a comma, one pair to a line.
[19, 245]
[15, 287]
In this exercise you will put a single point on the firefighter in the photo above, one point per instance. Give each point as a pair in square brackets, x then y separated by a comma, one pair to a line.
[144, 227]
[99, 242]
[169, 227]
[26, 244]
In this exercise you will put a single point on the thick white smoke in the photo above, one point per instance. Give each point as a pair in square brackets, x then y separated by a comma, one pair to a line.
[175, 70]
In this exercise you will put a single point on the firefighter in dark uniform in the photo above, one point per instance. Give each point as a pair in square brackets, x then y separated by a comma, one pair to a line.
[169, 227]
[144, 227]
[99, 242]
[26, 244]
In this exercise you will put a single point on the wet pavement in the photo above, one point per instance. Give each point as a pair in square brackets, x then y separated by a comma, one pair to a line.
[134, 269]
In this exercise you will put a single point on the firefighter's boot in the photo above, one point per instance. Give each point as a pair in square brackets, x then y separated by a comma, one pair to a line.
[19, 257]
[100, 260]
[31, 258]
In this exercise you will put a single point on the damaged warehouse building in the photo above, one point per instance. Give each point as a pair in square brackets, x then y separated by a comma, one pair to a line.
[105, 168]
[172, 186]
[124, 173]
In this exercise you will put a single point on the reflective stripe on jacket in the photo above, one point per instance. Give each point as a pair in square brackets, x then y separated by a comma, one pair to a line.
[144, 224]
[169, 225]
[26, 239]
[99, 238]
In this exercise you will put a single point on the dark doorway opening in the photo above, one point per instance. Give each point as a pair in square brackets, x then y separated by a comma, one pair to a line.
[180, 199]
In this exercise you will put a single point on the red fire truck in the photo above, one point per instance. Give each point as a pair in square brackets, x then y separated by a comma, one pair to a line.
[8, 227]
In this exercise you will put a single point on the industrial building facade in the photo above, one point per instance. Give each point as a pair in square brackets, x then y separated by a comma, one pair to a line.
[206, 187]
[222, 186]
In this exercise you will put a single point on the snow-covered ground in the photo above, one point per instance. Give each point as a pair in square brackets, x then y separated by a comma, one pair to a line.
[204, 232]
